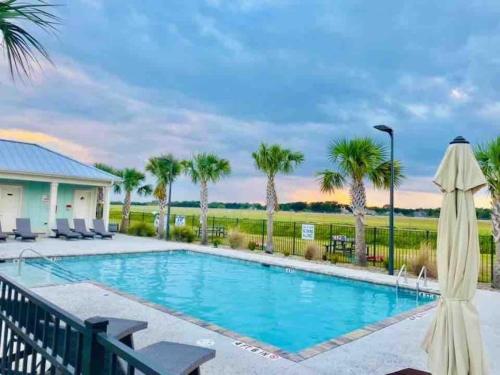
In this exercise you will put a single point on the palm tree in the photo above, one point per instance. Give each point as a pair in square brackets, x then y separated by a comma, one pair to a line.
[204, 168]
[488, 156]
[165, 168]
[357, 160]
[21, 47]
[273, 159]
[132, 180]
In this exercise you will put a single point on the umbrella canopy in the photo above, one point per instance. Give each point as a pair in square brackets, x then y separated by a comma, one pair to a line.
[454, 341]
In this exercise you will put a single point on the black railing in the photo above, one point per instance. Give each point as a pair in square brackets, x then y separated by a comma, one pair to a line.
[37, 337]
[287, 238]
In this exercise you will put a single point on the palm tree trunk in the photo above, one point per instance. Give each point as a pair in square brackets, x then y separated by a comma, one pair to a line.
[126, 212]
[358, 204]
[495, 221]
[271, 203]
[162, 204]
[204, 211]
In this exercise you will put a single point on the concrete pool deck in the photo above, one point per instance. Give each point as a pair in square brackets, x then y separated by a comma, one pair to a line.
[388, 349]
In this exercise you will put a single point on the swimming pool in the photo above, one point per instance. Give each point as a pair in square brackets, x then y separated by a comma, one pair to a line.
[291, 310]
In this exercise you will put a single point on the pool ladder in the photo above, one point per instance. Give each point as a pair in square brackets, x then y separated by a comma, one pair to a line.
[402, 272]
[61, 271]
[422, 274]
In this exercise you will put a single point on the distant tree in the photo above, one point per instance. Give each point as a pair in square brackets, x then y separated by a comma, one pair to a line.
[488, 156]
[132, 180]
[357, 160]
[21, 47]
[202, 169]
[272, 160]
[165, 169]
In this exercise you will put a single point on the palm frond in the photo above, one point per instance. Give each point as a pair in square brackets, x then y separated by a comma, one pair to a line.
[488, 157]
[330, 180]
[21, 47]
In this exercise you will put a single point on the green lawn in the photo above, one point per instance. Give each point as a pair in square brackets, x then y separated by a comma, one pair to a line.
[374, 221]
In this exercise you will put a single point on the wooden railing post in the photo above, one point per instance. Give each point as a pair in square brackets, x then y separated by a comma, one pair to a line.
[93, 353]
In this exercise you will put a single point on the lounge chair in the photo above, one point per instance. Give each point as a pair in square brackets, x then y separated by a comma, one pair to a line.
[3, 236]
[178, 359]
[100, 230]
[81, 228]
[23, 230]
[63, 230]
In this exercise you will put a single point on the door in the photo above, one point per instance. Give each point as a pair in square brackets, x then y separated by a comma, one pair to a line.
[82, 207]
[10, 206]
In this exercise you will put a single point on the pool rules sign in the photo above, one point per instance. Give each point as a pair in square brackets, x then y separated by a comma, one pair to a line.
[308, 232]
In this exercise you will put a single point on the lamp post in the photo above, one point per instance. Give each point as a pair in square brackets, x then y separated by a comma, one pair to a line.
[388, 130]
[167, 229]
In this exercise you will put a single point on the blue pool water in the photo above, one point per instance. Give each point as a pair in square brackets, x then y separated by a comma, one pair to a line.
[291, 310]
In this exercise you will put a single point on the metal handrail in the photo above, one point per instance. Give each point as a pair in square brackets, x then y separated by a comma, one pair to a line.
[55, 264]
[401, 270]
[423, 272]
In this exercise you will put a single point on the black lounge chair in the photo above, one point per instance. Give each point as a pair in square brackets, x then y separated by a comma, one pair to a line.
[23, 230]
[100, 230]
[81, 228]
[3, 236]
[63, 230]
[178, 359]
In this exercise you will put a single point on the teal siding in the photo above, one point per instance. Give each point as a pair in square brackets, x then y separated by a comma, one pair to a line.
[36, 205]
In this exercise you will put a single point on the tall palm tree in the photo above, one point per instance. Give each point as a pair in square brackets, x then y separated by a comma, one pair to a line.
[21, 48]
[204, 168]
[166, 169]
[357, 160]
[488, 156]
[132, 180]
[274, 159]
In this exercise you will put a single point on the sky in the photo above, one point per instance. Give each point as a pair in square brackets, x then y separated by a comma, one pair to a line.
[135, 79]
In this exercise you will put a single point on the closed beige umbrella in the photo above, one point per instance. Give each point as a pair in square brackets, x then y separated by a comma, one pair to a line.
[454, 341]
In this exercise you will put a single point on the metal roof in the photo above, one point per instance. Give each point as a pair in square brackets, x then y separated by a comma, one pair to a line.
[30, 158]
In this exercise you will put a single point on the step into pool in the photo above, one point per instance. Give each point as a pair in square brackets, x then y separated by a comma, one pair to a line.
[289, 309]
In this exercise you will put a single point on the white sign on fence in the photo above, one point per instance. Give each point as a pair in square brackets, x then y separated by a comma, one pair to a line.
[308, 231]
[180, 221]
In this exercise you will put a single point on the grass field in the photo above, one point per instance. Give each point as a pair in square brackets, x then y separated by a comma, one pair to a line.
[401, 222]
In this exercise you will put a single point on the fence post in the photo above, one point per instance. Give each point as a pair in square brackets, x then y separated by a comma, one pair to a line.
[143, 214]
[374, 245]
[293, 246]
[213, 227]
[263, 230]
[427, 236]
[93, 353]
[492, 256]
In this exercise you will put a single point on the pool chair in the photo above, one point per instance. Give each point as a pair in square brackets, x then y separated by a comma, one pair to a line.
[81, 228]
[23, 230]
[176, 359]
[63, 230]
[100, 230]
[3, 236]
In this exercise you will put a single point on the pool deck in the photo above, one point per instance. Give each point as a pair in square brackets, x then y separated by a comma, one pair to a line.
[385, 350]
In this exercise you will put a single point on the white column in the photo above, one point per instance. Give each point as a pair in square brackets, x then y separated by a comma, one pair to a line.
[52, 207]
[106, 192]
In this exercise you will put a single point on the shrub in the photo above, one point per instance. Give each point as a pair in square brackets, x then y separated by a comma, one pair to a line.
[286, 252]
[312, 252]
[142, 230]
[252, 245]
[424, 258]
[236, 239]
[333, 258]
[184, 234]
[216, 242]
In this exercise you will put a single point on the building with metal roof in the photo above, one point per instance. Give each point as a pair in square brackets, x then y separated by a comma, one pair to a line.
[43, 185]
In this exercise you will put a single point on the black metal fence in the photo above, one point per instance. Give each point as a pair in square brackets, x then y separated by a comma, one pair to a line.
[37, 337]
[287, 237]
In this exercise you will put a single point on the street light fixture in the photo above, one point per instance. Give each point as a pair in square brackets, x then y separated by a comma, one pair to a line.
[388, 130]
